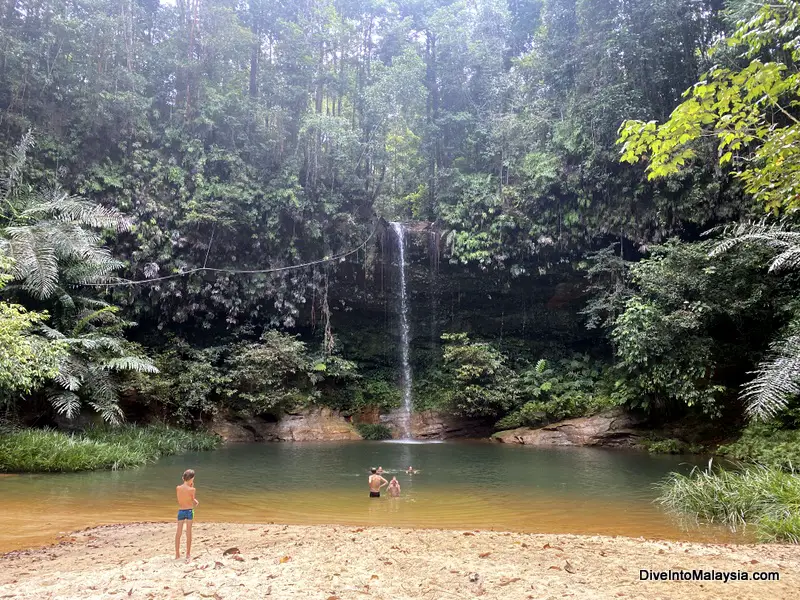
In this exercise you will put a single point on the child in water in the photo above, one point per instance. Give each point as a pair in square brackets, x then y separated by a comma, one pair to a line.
[186, 504]
[394, 488]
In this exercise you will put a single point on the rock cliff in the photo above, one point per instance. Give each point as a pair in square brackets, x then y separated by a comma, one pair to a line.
[612, 428]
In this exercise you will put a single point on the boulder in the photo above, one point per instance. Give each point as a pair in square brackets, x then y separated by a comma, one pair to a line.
[232, 431]
[612, 428]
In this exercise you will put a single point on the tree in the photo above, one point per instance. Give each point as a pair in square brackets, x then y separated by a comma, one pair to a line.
[750, 111]
[777, 378]
[53, 243]
[52, 236]
[690, 325]
[27, 360]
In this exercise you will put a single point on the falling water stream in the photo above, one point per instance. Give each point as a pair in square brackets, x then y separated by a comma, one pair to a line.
[405, 411]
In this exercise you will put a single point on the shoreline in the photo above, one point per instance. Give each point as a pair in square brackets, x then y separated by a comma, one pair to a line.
[345, 562]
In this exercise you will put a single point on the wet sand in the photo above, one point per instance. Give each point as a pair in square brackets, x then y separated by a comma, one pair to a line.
[343, 563]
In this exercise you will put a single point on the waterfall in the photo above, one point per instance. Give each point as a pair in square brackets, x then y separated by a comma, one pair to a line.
[405, 412]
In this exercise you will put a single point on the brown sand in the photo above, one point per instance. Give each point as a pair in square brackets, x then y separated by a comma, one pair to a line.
[346, 563]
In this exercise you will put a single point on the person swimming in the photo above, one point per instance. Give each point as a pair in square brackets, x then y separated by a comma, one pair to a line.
[411, 471]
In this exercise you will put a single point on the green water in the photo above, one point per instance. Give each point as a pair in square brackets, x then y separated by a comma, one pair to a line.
[461, 485]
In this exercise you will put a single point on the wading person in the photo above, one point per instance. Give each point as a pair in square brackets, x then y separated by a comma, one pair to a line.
[186, 504]
[376, 482]
[394, 488]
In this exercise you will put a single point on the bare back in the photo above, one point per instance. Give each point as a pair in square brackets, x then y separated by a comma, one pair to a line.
[376, 482]
[185, 496]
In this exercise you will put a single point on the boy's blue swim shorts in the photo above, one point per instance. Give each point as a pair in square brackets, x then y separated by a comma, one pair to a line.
[186, 514]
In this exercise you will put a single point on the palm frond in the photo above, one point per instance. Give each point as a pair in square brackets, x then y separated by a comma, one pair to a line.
[15, 165]
[66, 403]
[138, 364]
[35, 261]
[51, 334]
[774, 235]
[776, 380]
[58, 204]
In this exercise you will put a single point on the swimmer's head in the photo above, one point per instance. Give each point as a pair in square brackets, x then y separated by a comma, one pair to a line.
[374, 470]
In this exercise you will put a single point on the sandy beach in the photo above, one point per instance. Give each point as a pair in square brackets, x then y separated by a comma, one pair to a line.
[343, 563]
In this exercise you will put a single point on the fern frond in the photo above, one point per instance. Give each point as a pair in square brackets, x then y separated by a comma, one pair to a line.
[106, 314]
[110, 412]
[776, 380]
[68, 381]
[91, 343]
[788, 259]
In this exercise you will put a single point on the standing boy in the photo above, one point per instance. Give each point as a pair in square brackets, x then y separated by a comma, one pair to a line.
[376, 482]
[186, 504]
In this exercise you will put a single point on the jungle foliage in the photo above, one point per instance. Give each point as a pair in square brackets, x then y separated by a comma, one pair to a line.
[750, 109]
[159, 157]
[476, 380]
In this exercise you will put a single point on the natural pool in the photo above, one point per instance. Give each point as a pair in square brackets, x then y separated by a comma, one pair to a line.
[461, 485]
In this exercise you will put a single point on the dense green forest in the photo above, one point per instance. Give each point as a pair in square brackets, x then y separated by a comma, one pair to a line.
[195, 196]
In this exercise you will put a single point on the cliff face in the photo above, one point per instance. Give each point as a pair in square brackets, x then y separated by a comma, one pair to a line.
[324, 424]
[528, 312]
[525, 314]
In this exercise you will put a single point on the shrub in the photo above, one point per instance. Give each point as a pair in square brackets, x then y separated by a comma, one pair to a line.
[351, 397]
[374, 432]
[671, 446]
[483, 385]
[190, 382]
[511, 421]
[568, 388]
[767, 497]
[433, 390]
[273, 373]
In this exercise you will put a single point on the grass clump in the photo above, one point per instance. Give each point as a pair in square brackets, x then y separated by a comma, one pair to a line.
[766, 497]
[125, 447]
[154, 441]
[374, 432]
